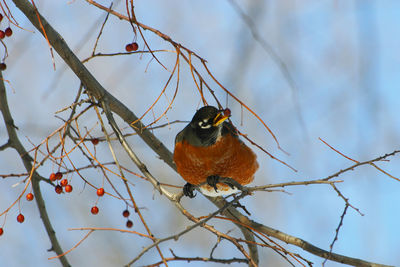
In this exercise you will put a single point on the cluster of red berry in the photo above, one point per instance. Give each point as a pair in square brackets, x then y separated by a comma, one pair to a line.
[68, 188]
[63, 183]
[95, 210]
[100, 192]
[20, 217]
[6, 33]
[132, 47]
[126, 214]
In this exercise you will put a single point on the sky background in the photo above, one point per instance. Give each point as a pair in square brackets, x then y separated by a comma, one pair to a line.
[343, 57]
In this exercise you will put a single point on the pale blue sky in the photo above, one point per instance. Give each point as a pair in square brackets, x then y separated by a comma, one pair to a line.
[344, 59]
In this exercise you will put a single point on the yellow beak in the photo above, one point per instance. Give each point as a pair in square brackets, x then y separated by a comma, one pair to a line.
[219, 119]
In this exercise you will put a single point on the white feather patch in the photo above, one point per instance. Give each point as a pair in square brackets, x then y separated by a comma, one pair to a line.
[212, 193]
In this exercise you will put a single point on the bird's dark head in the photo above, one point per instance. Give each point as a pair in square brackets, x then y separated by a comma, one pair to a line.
[207, 123]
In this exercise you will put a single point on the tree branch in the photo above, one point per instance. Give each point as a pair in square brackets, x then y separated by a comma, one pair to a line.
[94, 87]
[35, 178]
[306, 245]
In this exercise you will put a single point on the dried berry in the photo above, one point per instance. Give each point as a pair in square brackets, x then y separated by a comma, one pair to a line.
[94, 210]
[29, 196]
[53, 177]
[128, 47]
[135, 46]
[100, 192]
[8, 32]
[95, 141]
[20, 218]
[64, 182]
[1, 231]
[129, 224]
[3, 66]
[125, 213]
[59, 175]
[58, 189]
[227, 112]
[68, 188]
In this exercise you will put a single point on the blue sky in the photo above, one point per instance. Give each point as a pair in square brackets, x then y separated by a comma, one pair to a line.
[344, 60]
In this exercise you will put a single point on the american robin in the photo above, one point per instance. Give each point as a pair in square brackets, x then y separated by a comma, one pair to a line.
[209, 149]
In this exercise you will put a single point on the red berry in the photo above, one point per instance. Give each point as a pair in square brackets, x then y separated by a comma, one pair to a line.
[94, 210]
[125, 213]
[1, 17]
[29, 197]
[64, 182]
[129, 224]
[227, 112]
[2, 34]
[100, 191]
[8, 32]
[59, 175]
[20, 218]
[1, 229]
[68, 188]
[58, 189]
[95, 141]
[3, 66]
[53, 177]
[135, 46]
[128, 47]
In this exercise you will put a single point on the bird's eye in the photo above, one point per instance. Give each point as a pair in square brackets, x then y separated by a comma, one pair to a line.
[204, 124]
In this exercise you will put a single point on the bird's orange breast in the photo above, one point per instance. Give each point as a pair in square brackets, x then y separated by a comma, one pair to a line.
[228, 157]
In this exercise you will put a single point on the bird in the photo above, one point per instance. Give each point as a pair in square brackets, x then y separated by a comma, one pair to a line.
[208, 154]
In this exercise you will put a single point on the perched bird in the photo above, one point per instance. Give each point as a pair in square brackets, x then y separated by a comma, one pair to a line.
[209, 149]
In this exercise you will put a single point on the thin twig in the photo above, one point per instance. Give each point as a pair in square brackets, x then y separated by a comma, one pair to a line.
[35, 177]
[267, 47]
[74, 247]
[370, 162]
[125, 182]
[92, 85]
[336, 233]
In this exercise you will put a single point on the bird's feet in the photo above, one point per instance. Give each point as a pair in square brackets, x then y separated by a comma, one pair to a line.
[212, 181]
[188, 190]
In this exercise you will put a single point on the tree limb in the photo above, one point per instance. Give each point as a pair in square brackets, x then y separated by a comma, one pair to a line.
[94, 87]
[35, 178]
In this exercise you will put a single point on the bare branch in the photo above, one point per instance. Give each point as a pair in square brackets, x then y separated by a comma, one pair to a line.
[201, 259]
[352, 167]
[5, 146]
[368, 162]
[267, 47]
[306, 245]
[35, 177]
[111, 104]
[336, 233]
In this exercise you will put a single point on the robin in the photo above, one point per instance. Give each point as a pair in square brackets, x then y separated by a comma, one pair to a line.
[208, 151]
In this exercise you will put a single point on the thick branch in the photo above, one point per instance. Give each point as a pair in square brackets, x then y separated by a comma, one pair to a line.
[26, 159]
[92, 85]
[309, 247]
[233, 213]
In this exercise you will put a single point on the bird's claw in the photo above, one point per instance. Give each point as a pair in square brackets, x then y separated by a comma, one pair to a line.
[188, 190]
[212, 181]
